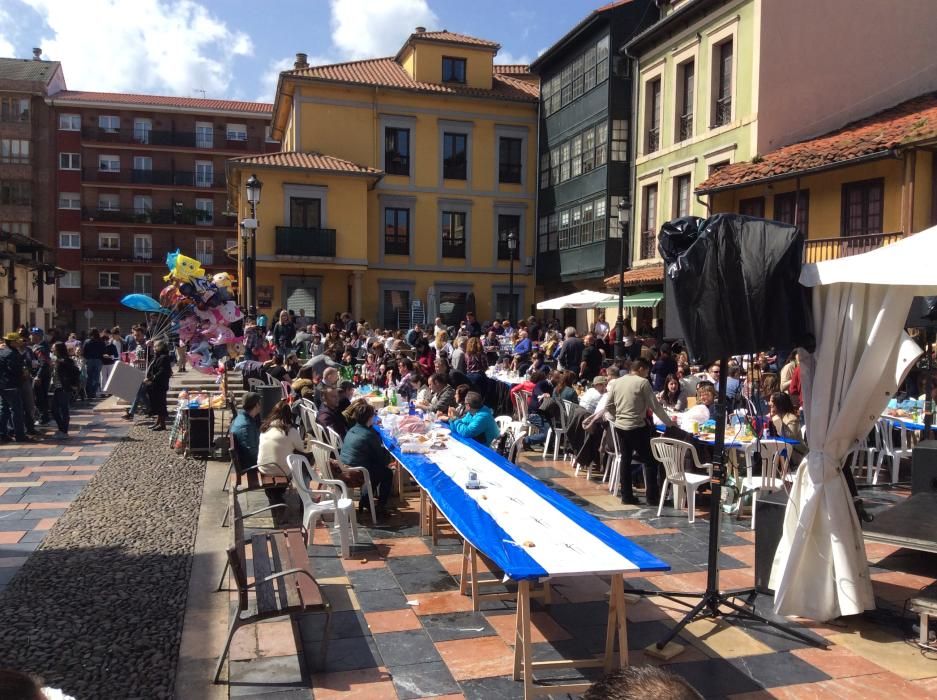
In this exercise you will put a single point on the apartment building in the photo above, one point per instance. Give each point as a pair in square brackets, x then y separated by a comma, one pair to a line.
[138, 176]
[27, 272]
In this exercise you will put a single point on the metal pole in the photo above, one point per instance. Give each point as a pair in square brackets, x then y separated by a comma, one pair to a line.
[513, 308]
[620, 323]
[252, 265]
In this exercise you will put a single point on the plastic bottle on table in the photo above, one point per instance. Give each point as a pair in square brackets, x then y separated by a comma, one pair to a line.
[412, 409]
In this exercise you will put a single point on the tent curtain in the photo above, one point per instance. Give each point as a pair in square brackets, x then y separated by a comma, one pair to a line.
[820, 569]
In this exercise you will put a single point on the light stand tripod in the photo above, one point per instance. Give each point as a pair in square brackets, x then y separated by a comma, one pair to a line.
[712, 601]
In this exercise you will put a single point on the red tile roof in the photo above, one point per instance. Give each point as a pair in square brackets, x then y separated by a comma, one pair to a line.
[307, 161]
[386, 72]
[512, 69]
[135, 100]
[447, 37]
[906, 123]
[639, 275]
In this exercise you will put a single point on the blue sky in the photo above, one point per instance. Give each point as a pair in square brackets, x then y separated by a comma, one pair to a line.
[235, 48]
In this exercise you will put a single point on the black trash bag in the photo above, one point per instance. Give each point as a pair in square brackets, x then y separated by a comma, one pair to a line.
[735, 280]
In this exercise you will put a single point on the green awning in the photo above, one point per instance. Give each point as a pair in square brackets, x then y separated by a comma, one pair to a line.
[644, 300]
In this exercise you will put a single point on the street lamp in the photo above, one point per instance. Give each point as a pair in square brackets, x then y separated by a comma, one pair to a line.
[620, 324]
[253, 187]
[512, 246]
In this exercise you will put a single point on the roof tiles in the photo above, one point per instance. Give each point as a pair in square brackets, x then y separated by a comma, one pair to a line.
[135, 100]
[27, 69]
[908, 122]
[307, 161]
[639, 275]
[453, 38]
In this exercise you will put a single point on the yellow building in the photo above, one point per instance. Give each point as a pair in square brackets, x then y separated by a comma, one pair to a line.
[399, 183]
[850, 191]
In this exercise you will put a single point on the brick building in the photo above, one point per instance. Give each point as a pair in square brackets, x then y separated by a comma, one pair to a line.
[27, 225]
[138, 176]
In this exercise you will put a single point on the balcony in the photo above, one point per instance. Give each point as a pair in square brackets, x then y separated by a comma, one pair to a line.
[305, 242]
[820, 249]
[156, 217]
[685, 130]
[168, 178]
[723, 112]
[653, 139]
[95, 255]
[648, 245]
[205, 258]
[184, 139]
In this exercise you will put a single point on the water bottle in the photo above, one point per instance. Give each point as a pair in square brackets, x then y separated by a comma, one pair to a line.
[412, 408]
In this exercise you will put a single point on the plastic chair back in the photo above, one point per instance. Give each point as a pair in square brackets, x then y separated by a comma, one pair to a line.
[334, 439]
[504, 422]
[521, 403]
[672, 454]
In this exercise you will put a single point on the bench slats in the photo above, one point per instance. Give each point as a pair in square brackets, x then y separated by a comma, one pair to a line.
[287, 593]
[309, 592]
[266, 597]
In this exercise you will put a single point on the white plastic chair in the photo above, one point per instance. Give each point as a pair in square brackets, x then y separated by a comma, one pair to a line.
[504, 423]
[558, 433]
[891, 451]
[333, 442]
[612, 459]
[672, 454]
[307, 419]
[332, 501]
[775, 459]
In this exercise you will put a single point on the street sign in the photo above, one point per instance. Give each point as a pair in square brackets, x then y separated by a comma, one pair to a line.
[89, 314]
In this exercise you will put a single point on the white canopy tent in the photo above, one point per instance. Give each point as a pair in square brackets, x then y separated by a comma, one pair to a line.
[860, 305]
[586, 299]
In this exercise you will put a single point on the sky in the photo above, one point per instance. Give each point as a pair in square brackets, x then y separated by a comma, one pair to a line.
[234, 49]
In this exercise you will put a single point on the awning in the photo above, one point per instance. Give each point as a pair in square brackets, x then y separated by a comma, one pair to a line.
[585, 299]
[644, 300]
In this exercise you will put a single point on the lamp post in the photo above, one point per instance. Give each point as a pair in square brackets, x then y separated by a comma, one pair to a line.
[253, 187]
[620, 323]
[512, 246]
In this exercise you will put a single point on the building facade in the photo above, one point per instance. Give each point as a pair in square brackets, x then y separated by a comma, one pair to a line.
[400, 181]
[726, 81]
[585, 149]
[27, 273]
[138, 176]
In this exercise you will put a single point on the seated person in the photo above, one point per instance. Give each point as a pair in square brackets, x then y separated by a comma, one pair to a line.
[346, 394]
[330, 414]
[330, 378]
[419, 390]
[279, 438]
[303, 387]
[363, 448]
[785, 423]
[477, 422]
[246, 430]
[590, 398]
[672, 397]
[442, 396]
[276, 369]
[461, 392]
[706, 396]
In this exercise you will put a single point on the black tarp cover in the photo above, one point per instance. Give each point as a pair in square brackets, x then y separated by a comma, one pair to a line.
[735, 282]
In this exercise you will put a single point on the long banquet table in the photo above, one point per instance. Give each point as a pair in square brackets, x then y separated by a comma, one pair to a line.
[530, 533]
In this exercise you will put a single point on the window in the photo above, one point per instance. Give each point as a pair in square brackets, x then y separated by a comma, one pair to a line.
[722, 84]
[577, 78]
[553, 231]
[236, 132]
[619, 140]
[566, 85]
[685, 82]
[204, 135]
[793, 208]
[588, 215]
[555, 165]
[205, 250]
[649, 223]
[599, 226]
[142, 283]
[715, 166]
[453, 234]
[69, 200]
[508, 224]
[205, 211]
[564, 229]
[14, 151]
[143, 246]
[108, 241]
[588, 150]
[141, 130]
[70, 280]
[396, 231]
[543, 227]
[109, 164]
[108, 280]
[69, 122]
[601, 143]
[452, 307]
[70, 240]
[545, 170]
[652, 136]
[753, 206]
[14, 109]
[588, 69]
[564, 161]
[863, 207]
[505, 305]
[681, 195]
[509, 159]
[396, 308]
[108, 202]
[142, 163]
[453, 70]
[455, 157]
[305, 212]
[583, 73]
[109, 122]
[69, 161]
[396, 151]
[16, 192]
[204, 173]
[142, 204]
[601, 60]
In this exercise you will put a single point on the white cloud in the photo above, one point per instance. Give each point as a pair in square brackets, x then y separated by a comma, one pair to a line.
[268, 81]
[6, 43]
[507, 58]
[370, 28]
[156, 46]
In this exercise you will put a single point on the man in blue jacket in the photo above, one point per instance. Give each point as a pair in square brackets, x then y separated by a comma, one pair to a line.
[477, 422]
[246, 430]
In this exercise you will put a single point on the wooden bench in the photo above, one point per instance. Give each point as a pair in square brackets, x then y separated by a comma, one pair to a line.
[283, 582]
[249, 478]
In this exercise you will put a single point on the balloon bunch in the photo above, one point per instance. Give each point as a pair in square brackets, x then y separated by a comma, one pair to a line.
[201, 309]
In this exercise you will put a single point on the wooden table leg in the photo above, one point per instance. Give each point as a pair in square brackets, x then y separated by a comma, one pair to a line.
[617, 626]
[424, 530]
[476, 603]
[463, 578]
[523, 612]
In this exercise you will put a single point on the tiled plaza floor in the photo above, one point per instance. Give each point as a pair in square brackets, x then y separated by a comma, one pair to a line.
[38, 481]
[402, 630]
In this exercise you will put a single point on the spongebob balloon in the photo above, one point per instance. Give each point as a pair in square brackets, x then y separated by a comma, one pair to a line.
[182, 268]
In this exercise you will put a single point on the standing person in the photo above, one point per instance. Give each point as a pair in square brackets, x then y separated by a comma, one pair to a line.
[11, 376]
[664, 366]
[93, 353]
[181, 355]
[629, 399]
[302, 320]
[41, 373]
[476, 364]
[787, 371]
[591, 363]
[570, 356]
[472, 327]
[64, 378]
[139, 349]
[457, 358]
[157, 381]
[363, 448]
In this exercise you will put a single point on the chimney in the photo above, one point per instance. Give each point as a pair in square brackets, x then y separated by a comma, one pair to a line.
[420, 30]
[37, 54]
[301, 61]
